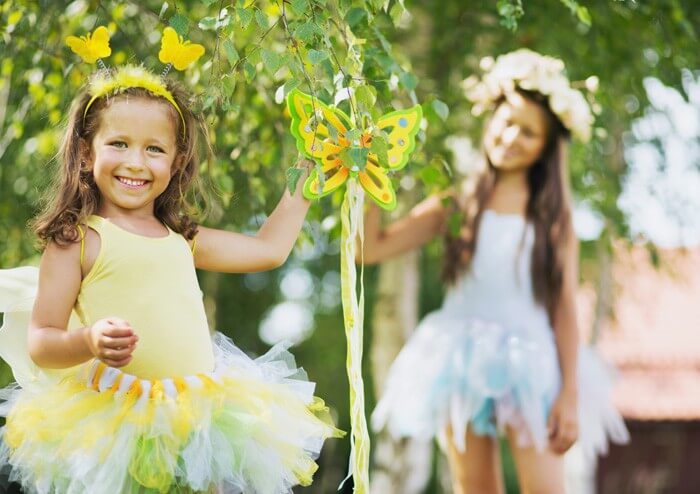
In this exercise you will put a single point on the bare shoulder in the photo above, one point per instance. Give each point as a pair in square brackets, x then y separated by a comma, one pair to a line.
[92, 246]
[60, 267]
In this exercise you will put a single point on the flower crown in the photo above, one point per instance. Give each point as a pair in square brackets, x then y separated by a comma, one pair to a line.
[174, 52]
[530, 71]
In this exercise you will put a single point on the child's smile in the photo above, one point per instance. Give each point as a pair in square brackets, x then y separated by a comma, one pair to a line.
[134, 150]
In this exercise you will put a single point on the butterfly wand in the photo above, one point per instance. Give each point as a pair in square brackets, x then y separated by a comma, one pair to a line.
[346, 156]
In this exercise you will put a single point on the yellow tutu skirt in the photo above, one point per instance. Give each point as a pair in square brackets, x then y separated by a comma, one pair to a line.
[250, 426]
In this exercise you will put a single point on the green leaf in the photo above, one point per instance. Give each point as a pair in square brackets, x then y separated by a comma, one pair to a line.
[272, 60]
[510, 11]
[320, 174]
[380, 147]
[354, 157]
[249, 71]
[293, 176]
[408, 80]
[333, 132]
[354, 16]
[245, 16]
[429, 175]
[441, 109]
[180, 24]
[228, 84]
[317, 56]
[583, 15]
[366, 97]
[396, 12]
[209, 102]
[261, 19]
[353, 135]
[208, 23]
[208, 2]
[299, 7]
[231, 52]
[305, 31]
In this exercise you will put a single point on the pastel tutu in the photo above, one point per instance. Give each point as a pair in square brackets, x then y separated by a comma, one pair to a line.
[249, 426]
[458, 372]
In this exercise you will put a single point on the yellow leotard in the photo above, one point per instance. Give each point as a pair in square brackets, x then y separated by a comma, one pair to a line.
[151, 283]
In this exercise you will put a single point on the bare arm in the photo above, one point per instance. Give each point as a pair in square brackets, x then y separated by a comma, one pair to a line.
[231, 252]
[421, 224]
[565, 318]
[563, 417]
[50, 344]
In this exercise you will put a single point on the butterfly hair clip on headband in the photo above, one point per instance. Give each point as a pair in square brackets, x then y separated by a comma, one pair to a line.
[174, 52]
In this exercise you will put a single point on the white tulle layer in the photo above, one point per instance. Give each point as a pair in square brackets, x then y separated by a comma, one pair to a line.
[464, 372]
[251, 426]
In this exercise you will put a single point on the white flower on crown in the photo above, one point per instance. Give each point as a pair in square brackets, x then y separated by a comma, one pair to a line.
[528, 70]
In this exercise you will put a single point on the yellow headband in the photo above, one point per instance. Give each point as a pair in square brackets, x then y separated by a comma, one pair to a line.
[174, 51]
[126, 77]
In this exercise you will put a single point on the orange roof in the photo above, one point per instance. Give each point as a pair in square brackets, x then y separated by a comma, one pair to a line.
[653, 337]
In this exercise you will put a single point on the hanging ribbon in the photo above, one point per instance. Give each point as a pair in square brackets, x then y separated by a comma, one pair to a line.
[347, 156]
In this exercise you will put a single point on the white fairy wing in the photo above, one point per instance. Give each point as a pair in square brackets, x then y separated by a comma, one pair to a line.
[18, 288]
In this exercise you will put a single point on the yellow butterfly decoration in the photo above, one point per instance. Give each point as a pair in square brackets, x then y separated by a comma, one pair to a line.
[91, 47]
[326, 135]
[178, 52]
[348, 156]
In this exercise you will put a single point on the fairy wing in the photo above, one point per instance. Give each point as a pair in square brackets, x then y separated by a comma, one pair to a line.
[176, 51]
[401, 127]
[312, 121]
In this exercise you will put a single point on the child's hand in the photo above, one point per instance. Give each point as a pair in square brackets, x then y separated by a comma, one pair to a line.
[563, 422]
[112, 340]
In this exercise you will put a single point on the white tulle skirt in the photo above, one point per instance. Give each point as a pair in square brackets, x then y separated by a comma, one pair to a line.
[464, 372]
[250, 426]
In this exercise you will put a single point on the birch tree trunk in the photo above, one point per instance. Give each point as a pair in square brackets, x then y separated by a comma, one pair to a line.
[399, 466]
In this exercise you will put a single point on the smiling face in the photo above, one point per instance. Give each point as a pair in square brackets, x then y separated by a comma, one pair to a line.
[133, 153]
[516, 136]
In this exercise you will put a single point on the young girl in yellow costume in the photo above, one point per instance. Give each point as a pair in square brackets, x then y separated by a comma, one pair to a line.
[126, 390]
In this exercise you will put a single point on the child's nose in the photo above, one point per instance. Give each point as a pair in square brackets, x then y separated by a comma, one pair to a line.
[136, 160]
[509, 135]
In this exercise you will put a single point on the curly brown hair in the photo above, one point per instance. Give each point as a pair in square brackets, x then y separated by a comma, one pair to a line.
[548, 210]
[73, 194]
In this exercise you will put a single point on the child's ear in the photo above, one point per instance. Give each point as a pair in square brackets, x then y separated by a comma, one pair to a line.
[178, 164]
[84, 154]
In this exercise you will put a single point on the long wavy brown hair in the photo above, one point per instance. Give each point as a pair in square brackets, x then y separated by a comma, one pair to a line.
[73, 194]
[548, 210]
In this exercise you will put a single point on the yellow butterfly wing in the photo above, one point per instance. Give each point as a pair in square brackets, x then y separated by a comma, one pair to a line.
[180, 53]
[377, 185]
[309, 130]
[92, 46]
[315, 139]
[401, 127]
[335, 175]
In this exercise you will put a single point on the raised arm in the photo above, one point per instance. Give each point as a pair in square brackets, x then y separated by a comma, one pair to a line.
[421, 224]
[231, 252]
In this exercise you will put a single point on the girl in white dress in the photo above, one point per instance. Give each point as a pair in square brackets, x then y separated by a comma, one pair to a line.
[502, 355]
